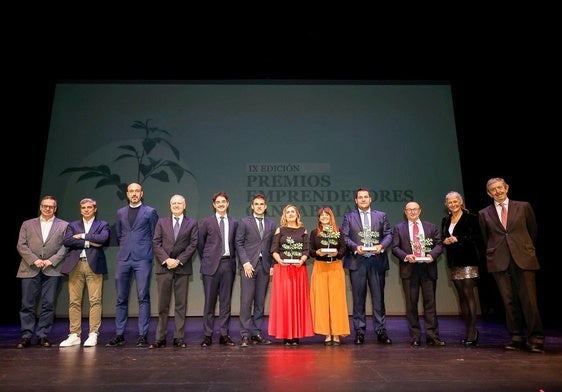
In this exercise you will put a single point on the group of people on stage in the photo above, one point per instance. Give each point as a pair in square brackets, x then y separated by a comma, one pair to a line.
[503, 233]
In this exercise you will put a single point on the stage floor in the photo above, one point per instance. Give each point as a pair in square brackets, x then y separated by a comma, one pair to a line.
[308, 367]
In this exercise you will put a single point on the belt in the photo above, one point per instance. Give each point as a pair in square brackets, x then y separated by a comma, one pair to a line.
[83, 259]
[226, 258]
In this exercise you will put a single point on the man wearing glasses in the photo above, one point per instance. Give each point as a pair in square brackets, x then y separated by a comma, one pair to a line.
[40, 245]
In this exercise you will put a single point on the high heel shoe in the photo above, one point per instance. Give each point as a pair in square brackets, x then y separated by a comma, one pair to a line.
[473, 343]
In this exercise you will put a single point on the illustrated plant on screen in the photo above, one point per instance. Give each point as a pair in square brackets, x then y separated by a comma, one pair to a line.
[147, 166]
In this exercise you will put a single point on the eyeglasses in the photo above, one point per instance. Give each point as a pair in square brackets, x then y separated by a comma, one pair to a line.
[48, 207]
[412, 209]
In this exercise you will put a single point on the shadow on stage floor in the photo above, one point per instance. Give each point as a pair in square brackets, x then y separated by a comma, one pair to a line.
[308, 367]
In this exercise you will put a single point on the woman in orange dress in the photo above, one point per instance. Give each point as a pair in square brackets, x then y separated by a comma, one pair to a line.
[327, 282]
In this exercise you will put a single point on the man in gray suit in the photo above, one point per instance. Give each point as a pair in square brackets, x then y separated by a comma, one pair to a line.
[40, 245]
[512, 260]
[253, 243]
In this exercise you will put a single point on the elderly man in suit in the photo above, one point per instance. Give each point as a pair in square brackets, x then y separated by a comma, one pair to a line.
[417, 245]
[367, 234]
[134, 229]
[218, 267]
[509, 229]
[40, 245]
[175, 243]
[253, 243]
[85, 264]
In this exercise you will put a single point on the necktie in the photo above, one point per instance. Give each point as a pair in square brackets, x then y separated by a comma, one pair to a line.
[221, 225]
[504, 216]
[366, 223]
[176, 227]
[417, 244]
[260, 226]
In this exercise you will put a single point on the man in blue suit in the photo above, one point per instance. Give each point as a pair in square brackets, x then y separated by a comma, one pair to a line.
[367, 233]
[253, 244]
[134, 229]
[218, 267]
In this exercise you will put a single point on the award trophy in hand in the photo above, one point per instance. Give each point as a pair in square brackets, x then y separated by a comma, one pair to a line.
[292, 249]
[369, 238]
[329, 237]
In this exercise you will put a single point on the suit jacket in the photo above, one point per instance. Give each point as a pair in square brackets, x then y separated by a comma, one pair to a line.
[31, 247]
[352, 225]
[209, 243]
[517, 241]
[249, 244]
[468, 248]
[135, 241]
[401, 247]
[183, 248]
[99, 233]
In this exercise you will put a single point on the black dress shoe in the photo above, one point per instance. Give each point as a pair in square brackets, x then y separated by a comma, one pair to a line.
[225, 340]
[359, 339]
[295, 342]
[24, 343]
[383, 338]
[180, 343]
[158, 344]
[206, 342]
[258, 339]
[245, 342]
[537, 348]
[142, 341]
[287, 342]
[516, 345]
[118, 340]
[44, 342]
[436, 342]
[415, 343]
[472, 343]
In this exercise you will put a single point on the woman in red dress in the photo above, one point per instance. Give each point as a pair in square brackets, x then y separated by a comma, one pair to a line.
[290, 316]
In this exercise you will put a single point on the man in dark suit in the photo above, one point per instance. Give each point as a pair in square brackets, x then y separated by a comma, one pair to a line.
[175, 243]
[253, 243]
[134, 229]
[512, 260]
[40, 245]
[417, 250]
[367, 233]
[218, 267]
[85, 264]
